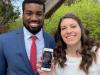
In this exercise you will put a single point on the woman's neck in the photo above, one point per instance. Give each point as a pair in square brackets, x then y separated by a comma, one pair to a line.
[73, 50]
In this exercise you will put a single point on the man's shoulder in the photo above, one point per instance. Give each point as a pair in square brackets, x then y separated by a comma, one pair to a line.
[49, 39]
[47, 35]
[10, 33]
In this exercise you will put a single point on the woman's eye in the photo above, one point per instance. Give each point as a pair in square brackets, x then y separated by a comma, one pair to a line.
[63, 28]
[74, 26]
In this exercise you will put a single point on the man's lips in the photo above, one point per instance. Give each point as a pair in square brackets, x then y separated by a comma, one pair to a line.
[33, 24]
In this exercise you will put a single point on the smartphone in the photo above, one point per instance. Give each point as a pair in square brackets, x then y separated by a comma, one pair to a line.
[47, 56]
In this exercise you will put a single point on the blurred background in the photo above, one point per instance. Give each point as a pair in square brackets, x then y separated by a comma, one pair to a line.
[87, 10]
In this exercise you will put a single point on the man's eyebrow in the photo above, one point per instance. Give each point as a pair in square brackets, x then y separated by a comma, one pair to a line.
[28, 10]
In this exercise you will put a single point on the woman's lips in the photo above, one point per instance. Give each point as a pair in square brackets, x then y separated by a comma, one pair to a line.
[71, 35]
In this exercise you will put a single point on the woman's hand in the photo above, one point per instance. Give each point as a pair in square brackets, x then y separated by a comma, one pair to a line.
[41, 72]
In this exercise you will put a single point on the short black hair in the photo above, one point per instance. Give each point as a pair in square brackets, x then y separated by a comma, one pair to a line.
[41, 2]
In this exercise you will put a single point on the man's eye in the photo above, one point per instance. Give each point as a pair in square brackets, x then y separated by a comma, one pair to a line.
[39, 14]
[29, 14]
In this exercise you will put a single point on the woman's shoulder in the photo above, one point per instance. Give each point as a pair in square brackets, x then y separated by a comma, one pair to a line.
[95, 49]
[98, 54]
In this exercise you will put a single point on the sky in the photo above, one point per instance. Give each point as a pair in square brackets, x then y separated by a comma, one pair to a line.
[18, 3]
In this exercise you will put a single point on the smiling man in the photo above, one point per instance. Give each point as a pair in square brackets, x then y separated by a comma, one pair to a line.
[33, 15]
[18, 55]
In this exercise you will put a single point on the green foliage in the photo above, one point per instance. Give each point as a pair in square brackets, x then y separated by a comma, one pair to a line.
[87, 10]
[16, 24]
[7, 14]
[70, 2]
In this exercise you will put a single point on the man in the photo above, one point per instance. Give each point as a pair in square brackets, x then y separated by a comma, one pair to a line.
[15, 46]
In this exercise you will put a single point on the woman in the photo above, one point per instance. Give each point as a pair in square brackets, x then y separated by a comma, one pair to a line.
[75, 52]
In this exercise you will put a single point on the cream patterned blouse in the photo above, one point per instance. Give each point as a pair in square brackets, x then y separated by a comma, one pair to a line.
[73, 63]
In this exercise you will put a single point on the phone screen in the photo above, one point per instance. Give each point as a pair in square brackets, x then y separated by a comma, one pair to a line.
[46, 59]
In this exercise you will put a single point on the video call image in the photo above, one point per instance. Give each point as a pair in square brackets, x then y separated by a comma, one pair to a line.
[47, 58]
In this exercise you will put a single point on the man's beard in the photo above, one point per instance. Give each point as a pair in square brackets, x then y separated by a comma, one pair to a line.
[34, 30]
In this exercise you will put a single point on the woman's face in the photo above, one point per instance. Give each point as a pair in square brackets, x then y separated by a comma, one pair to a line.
[70, 31]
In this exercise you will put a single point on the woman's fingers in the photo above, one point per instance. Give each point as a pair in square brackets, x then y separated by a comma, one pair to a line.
[41, 72]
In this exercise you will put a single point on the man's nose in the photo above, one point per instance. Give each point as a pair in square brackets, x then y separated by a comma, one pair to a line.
[34, 17]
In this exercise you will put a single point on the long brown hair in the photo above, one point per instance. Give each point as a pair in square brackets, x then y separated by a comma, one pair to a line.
[87, 44]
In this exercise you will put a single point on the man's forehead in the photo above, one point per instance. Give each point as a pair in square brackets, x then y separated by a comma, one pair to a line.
[33, 5]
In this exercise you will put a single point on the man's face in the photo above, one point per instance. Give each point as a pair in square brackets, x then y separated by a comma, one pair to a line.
[33, 17]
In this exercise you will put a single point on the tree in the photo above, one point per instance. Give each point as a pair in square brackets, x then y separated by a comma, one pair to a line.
[70, 2]
[98, 1]
[7, 14]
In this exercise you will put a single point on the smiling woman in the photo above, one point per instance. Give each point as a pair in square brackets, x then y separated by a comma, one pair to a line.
[70, 31]
[75, 52]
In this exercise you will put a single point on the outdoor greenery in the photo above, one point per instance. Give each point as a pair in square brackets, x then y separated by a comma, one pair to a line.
[87, 10]
[7, 13]
[15, 25]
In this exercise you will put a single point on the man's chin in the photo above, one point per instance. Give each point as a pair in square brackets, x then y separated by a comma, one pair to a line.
[35, 30]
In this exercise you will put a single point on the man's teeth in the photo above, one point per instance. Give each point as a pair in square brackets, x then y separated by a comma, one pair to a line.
[34, 25]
